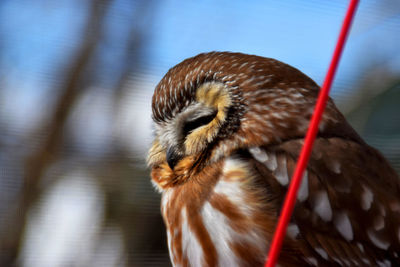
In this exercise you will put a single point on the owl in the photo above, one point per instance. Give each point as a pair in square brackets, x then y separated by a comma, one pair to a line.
[229, 128]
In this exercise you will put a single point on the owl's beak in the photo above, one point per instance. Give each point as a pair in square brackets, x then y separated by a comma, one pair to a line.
[172, 157]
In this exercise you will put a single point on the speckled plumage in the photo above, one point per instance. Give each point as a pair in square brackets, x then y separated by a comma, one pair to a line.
[229, 128]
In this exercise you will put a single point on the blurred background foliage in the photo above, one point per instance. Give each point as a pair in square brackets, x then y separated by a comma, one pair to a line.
[76, 79]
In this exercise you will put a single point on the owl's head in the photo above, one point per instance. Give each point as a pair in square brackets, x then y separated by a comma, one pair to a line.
[191, 129]
[212, 104]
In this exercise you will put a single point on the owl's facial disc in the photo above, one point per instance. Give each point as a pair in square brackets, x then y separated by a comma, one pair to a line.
[215, 97]
[196, 126]
[194, 118]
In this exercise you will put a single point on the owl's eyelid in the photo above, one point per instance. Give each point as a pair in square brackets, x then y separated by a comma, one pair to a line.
[190, 125]
[200, 114]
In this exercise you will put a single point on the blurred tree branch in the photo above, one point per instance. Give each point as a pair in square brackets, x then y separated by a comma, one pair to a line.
[142, 227]
[135, 44]
[38, 162]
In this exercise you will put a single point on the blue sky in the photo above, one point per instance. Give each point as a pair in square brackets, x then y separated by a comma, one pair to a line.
[301, 33]
[38, 34]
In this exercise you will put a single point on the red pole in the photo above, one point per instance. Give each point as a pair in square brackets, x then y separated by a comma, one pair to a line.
[291, 195]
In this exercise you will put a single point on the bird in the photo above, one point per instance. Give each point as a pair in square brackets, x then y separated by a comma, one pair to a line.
[228, 129]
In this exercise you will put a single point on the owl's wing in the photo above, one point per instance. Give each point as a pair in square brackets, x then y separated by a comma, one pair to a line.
[348, 207]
